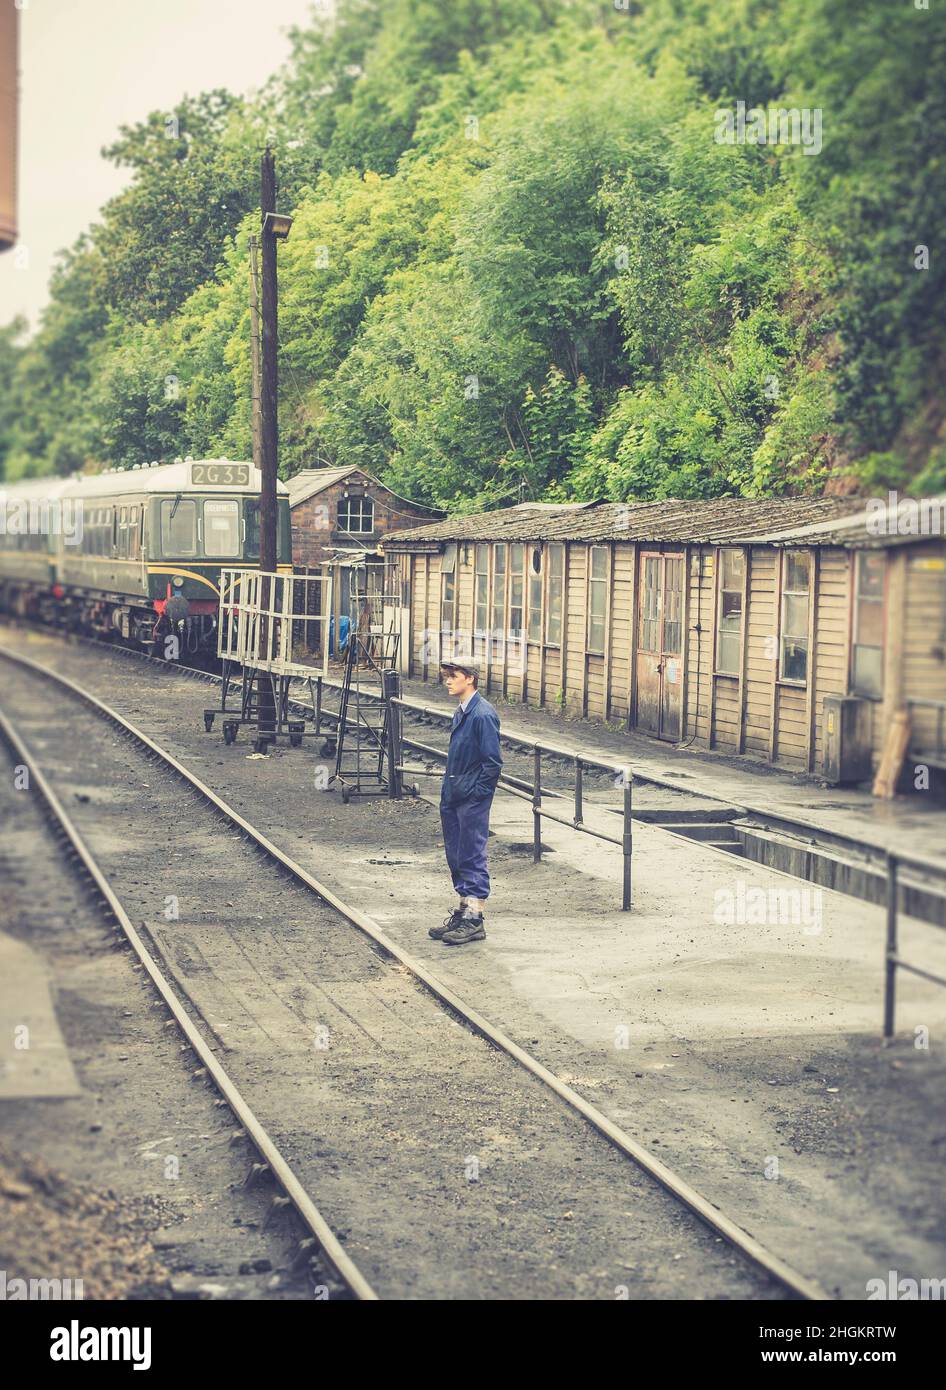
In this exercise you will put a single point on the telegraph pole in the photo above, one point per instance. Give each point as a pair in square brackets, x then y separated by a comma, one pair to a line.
[268, 385]
[274, 227]
[254, 351]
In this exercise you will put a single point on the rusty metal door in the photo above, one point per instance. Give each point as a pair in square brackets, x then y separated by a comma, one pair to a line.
[660, 645]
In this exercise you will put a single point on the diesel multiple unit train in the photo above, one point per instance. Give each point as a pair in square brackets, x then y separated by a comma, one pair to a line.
[103, 554]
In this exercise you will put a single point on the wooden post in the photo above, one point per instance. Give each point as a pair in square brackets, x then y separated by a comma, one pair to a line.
[773, 710]
[744, 647]
[563, 648]
[635, 605]
[583, 705]
[609, 610]
[810, 702]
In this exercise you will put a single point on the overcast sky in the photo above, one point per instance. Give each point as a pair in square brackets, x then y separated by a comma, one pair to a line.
[89, 66]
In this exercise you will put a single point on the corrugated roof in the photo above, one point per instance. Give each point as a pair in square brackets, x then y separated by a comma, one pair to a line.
[714, 520]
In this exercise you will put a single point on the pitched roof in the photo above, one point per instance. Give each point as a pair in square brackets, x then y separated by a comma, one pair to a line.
[876, 524]
[714, 520]
[310, 481]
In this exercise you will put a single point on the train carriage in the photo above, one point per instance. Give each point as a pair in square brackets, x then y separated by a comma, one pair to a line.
[103, 553]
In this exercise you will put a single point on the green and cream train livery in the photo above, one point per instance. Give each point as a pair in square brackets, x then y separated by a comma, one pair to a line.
[103, 553]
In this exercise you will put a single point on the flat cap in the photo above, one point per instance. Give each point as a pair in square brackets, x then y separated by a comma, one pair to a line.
[471, 667]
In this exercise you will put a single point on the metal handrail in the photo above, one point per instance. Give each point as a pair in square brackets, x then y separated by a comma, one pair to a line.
[894, 859]
[516, 787]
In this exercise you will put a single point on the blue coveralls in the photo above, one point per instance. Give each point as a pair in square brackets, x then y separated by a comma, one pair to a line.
[473, 766]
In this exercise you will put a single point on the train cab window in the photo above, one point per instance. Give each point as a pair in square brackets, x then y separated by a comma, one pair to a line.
[221, 527]
[178, 527]
[251, 519]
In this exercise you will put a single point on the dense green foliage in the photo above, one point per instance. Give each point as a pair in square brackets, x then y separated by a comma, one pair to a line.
[523, 263]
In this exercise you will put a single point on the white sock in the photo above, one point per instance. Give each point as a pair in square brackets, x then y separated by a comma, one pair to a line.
[475, 904]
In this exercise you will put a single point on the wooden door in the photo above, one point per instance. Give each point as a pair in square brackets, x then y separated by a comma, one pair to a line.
[660, 645]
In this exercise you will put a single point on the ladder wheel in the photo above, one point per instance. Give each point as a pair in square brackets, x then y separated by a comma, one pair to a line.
[346, 795]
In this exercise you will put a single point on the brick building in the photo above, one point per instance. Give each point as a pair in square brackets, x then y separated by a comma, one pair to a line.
[338, 511]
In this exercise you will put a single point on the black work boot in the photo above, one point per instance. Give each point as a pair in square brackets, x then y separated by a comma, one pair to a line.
[469, 928]
[448, 923]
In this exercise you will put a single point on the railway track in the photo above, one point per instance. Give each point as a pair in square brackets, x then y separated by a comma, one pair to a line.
[434, 1074]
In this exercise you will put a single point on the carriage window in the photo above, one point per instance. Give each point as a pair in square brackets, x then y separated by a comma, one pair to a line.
[482, 587]
[867, 658]
[134, 533]
[179, 527]
[221, 527]
[356, 514]
[795, 597]
[553, 619]
[729, 612]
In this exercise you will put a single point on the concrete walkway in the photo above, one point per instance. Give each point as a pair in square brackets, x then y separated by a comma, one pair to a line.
[34, 1059]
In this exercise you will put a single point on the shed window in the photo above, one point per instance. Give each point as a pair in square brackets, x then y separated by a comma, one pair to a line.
[179, 527]
[481, 563]
[796, 579]
[553, 617]
[867, 657]
[732, 570]
[356, 515]
[597, 598]
[535, 594]
[448, 580]
[516, 582]
[221, 527]
[499, 589]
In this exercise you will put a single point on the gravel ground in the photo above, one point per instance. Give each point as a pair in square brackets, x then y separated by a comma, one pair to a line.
[133, 1186]
[447, 1170]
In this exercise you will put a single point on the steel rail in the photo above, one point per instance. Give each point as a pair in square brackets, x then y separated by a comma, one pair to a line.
[740, 1239]
[335, 1253]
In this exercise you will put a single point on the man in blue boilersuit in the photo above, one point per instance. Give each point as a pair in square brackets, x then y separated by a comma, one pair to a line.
[474, 763]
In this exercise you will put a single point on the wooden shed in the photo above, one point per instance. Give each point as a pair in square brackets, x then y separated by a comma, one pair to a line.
[724, 624]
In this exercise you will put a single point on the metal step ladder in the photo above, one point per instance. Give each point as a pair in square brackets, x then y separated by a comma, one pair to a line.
[364, 712]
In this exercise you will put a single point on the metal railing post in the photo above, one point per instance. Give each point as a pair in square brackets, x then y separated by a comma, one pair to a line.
[890, 977]
[537, 806]
[626, 842]
[578, 792]
[391, 686]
